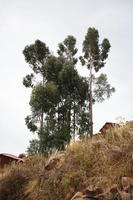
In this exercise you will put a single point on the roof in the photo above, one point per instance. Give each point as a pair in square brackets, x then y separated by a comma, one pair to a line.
[129, 122]
[11, 156]
[110, 125]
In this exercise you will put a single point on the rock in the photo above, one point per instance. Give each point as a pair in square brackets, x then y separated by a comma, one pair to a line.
[78, 196]
[81, 196]
[112, 193]
[114, 153]
[125, 195]
[109, 194]
[126, 184]
[52, 163]
[114, 189]
[91, 191]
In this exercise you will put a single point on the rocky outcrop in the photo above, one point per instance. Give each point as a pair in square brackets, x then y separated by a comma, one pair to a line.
[112, 193]
[51, 164]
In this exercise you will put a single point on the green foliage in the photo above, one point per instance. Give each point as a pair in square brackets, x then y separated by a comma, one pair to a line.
[102, 89]
[35, 55]
[44, 97]
[33, 148]
[30, 124]
[69, 78]
[93, 51]
[105, 46]
[52, 68]
[59, 98]
[28, 80]
[94, 56]
[67, 49]
[83, 122]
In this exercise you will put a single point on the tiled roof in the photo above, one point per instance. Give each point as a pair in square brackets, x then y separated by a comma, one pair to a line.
[11, 156]
[110, 125]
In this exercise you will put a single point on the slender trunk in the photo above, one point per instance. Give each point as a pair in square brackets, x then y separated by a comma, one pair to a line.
[74, 122]
[41, 123]
[69, 120]
[42, 114]
[63, 117]
[90, 102]
[58, 118]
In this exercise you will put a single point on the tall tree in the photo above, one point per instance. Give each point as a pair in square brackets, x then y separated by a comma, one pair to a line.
[60, 97]
[36, 55]
[94, 56]
[67, 50]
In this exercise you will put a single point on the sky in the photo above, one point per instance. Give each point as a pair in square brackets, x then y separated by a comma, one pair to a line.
[24, 21]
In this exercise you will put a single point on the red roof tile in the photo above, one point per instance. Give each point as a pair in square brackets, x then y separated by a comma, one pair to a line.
[11, 156]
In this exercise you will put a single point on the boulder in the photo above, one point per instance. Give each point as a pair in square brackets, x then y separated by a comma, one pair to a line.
[91, 191]
[109, 194]
[127, 184]
[112, 193]
[125, 195]
[78, 196]
[113, 153]
[97, 193]
[52, 163]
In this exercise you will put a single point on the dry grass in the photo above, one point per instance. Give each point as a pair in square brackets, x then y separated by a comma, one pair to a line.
[97, 162]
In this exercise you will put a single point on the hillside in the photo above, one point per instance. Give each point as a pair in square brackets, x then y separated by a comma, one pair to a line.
[101, 168]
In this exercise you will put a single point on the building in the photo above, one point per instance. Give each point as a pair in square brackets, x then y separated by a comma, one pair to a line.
[108, 126]
[7, 159]
[129, 124]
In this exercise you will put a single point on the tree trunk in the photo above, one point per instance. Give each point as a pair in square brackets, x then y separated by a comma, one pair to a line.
[41, 122]
[58, 119]
[69, 119]
[90, 102]
[42, 114]
[74, 122]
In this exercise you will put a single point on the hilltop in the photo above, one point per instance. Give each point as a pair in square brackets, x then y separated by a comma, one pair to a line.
[101, 168]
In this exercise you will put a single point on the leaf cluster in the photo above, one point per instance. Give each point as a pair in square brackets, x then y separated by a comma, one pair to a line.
[59, 93]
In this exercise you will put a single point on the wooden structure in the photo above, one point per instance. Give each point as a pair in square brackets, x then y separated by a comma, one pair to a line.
[108, 126]
[7, 159]
[129, 124]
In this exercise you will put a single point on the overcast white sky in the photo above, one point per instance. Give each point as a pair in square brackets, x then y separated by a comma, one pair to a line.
[24, 21]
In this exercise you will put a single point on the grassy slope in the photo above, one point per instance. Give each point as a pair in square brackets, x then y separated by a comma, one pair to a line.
[100, 162]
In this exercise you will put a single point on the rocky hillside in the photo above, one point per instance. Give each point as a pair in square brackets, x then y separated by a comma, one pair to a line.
[101, 169]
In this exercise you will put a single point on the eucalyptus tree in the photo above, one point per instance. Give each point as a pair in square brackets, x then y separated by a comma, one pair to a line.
[67, 49]
[94, 56]
[54, 82]
[66, 78]
[60, 97]
[45, 98]
[35, 55]
[53, 68]
[34, 147]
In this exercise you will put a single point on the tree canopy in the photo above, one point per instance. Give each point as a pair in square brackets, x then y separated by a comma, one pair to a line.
[61, 99]
[94, 56]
